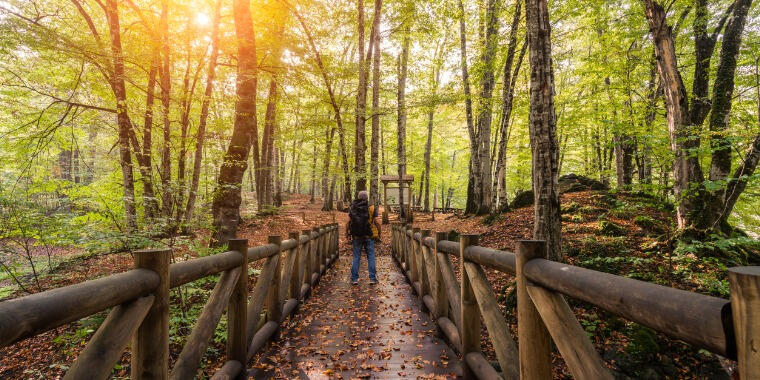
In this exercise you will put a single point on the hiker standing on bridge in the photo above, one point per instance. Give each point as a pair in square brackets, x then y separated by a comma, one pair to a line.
[363, 229]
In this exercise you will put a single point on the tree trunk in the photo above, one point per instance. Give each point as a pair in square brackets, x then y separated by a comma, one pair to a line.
[485, 110]
[723, 90]
[697, 208]
[226, 204]
[507, 98]
[473, 166]
[373, 165]
[144, 159]
[205, 103]
[165, 75]
[543, 129]
[403, 60]
[122, 116]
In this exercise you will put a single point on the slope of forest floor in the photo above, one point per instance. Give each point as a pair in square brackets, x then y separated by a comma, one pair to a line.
[624, 234]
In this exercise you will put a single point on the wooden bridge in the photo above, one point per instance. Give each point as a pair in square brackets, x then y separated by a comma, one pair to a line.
[449, 303]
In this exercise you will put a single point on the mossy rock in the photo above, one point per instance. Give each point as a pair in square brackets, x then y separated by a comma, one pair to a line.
[522, 199]
[649, 224]
[608, 228]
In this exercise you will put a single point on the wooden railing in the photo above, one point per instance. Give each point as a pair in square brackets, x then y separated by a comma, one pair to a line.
[140, 302]
[727, 328]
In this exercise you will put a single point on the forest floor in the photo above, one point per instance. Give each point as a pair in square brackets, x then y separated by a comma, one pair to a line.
[624, 234]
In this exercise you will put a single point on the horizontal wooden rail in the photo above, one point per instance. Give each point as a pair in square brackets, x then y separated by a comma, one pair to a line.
[703, 321]
[188, 271]
[697, 319]
[34, 314]
[139, 298]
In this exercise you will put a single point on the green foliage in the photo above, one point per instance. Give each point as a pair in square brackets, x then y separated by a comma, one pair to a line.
[735, 251]
[602, 246]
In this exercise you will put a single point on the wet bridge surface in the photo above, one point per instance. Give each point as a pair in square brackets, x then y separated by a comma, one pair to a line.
[359, 331]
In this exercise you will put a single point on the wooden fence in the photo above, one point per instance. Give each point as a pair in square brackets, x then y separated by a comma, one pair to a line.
[727, 328]
[139, 299]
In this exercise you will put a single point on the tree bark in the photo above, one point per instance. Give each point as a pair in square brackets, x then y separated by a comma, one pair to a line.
[723, 89]
[226, 203]
[122, 115]
[485, 111]
[507, 98]
[543, 129]
[474, 166]
[165, 75]
[403, 60]
[373, 160]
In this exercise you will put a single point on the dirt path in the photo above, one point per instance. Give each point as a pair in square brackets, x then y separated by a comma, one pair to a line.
[363, 331]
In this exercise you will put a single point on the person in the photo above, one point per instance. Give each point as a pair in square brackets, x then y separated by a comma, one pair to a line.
[363, 229]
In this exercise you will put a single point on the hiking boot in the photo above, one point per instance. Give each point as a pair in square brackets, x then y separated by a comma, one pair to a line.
[373, 282]
[355, 282]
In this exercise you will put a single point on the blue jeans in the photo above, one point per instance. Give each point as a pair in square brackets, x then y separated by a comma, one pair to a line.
[369, 247]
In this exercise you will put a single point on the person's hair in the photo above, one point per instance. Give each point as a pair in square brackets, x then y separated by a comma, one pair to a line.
[362, 195]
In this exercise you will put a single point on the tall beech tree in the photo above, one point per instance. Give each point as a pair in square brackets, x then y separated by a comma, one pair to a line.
[543, 129]
[702, 207]
[226, 203]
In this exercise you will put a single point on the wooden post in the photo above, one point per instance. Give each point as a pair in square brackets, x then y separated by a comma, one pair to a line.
[150, 345]
[415, 256]
[236, 310]
[745, 307]
[295, 274]
[440, 295]
[534, 339]
[317, 252]
[274, 303]
[424, 256]
[470, 329]
[308, 259]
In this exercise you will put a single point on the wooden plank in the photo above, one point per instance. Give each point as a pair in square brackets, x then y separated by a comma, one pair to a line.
[34, 314]
[503, 261]
[237, 342]
[189, 359]
[697, 319]
[187, 271]
[451, 332]
[260, 291]
[229, 370]
[498, 330]
[452, 287]
[439, 292]
[97, 360]
[469, 330]
[261, 337]
[571, 340]
[274, 301]
[481, 367]
[745, 307]
[150, 345]
[534, 342]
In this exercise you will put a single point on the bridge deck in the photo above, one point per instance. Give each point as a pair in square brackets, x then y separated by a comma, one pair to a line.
[363, 331]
